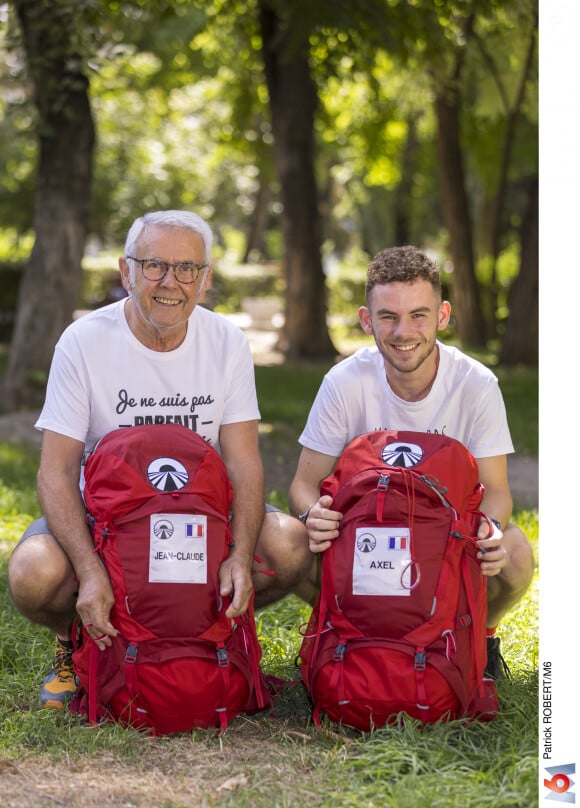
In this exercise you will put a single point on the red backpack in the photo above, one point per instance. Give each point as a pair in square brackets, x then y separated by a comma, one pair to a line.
[158, 500]
[399, 625]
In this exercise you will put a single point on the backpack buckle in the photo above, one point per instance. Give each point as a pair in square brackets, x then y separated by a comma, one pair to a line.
[222, 657]
[420, 660]
[131, 654]
[339, 652]
[383, 482]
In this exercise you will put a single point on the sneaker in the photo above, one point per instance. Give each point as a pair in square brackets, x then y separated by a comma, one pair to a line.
[60, 685]
[496, 667]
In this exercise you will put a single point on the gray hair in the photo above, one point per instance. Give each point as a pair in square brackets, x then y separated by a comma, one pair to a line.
[183, 219]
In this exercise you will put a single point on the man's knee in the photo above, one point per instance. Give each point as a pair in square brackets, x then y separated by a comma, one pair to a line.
[521, 562]
[39, 572]
[283, 548]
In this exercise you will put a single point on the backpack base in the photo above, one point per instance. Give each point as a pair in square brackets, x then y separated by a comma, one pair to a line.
[389, 681]
[172, 695]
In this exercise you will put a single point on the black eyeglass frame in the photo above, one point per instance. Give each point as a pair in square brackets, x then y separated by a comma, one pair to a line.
[164, 266]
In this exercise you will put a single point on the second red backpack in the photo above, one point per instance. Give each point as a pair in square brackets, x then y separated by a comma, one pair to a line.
[158, 499]
[399, 625]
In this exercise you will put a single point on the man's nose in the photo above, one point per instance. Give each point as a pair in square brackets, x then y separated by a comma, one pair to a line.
[401, 328]
[169, 278]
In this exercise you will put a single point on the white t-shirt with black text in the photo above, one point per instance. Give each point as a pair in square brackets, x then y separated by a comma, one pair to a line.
[103, 378]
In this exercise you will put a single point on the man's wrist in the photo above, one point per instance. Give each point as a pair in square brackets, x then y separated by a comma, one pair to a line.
[495, 522]
[304, 516]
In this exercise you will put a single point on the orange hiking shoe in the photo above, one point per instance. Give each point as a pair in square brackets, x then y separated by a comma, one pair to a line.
[60, 685]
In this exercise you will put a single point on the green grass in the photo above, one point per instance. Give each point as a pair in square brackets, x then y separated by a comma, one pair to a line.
[520, 391]
[285, 393]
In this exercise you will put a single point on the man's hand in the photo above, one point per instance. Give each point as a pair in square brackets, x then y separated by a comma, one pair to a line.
[322, 525]
[94, 603]
[236, 582]
[492, 553]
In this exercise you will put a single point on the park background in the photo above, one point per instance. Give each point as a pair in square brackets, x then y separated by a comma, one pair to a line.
[309, 135]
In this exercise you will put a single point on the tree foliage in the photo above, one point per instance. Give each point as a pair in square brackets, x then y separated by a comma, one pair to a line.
[419, 121]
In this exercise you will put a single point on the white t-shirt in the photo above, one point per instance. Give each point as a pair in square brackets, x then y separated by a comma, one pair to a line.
[102, 378]
[464, 403]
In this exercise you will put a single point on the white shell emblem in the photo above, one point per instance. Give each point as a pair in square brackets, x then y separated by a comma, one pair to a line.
[167, 474]
[163, 529]
[402, 454]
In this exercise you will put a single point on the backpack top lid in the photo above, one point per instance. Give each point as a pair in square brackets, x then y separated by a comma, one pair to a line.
[130, 465]
[436, 457]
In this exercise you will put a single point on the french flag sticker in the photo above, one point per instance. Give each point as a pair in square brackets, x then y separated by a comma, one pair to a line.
[397, 542]
[194, 530]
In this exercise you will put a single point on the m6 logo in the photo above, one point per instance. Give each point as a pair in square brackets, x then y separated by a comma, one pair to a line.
[560, 783]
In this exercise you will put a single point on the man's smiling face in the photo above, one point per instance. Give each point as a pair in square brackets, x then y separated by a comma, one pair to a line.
[163, 307]
[404, 319]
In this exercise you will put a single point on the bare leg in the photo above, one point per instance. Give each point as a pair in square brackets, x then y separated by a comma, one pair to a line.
[42, 584]
[507, 588]
[283, 550]
[309, 588]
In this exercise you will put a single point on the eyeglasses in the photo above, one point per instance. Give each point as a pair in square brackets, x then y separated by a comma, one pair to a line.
[155, 270]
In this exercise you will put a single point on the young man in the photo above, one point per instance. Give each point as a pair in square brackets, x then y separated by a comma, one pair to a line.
[155, 356]
[410, 381]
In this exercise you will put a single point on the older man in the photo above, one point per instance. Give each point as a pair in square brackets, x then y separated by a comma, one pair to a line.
[153, 357]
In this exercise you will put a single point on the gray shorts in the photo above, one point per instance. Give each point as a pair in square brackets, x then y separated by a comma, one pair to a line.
[37, 527]
[40, 526]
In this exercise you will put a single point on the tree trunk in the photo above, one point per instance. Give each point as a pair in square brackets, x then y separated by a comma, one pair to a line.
[255, 246]
[498, 200]
[467, 308]
[520, 343]
[51, 284]
[403, 195]
[293, 103]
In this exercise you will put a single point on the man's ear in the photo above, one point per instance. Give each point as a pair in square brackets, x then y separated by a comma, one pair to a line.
[124, 270]
[207, 284]
[444, 315]
[364, 317]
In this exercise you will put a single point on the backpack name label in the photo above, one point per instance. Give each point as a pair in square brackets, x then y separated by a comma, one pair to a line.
[178, 548]
[382, 561]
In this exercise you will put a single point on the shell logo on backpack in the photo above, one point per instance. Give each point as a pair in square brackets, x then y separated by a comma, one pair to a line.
[366, 542]
[402, 454]
[163, 529]
[167, 474]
